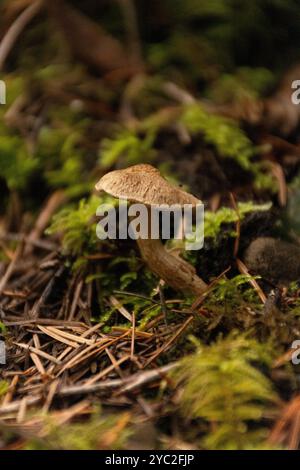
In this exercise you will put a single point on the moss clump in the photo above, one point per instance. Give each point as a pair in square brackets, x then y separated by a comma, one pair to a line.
[127, 146]
[3, 387]
[222, 387]
[214, 221]
[75, 225]
[101, 432]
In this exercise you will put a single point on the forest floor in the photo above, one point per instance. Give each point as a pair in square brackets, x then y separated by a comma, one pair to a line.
[100, 352]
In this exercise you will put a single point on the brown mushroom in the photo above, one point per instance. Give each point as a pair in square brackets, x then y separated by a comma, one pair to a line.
[144, 184]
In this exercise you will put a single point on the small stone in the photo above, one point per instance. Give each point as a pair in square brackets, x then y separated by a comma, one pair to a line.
[274, 260]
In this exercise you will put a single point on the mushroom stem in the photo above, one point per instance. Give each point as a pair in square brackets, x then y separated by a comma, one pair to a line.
[175, 271]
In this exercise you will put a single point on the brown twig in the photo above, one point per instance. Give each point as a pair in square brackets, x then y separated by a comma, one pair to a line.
[11, 267]
[243, 269]
[52, 204]
[16, 29]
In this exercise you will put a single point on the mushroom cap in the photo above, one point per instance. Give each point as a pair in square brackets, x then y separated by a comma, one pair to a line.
[144, 184]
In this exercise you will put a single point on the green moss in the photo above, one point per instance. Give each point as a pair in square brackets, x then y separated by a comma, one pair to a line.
[127, 146]
[213, 221]
[76, 226]
[16, 163]
[222, 387]
[62, 153]
[232, 292]
[230, 141]
[244, 85]
[99, 432]
[224, 134]
[3, 387]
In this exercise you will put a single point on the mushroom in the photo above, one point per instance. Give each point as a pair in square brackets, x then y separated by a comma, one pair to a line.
[144, 184]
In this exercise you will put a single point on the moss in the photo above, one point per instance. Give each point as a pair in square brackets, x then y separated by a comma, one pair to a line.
[3, 387]
[244, 85]
[222, 387]
[16, 163]
[215, 221]
[229, 140]
[75, 225]
[101, 432]
[128, 147]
